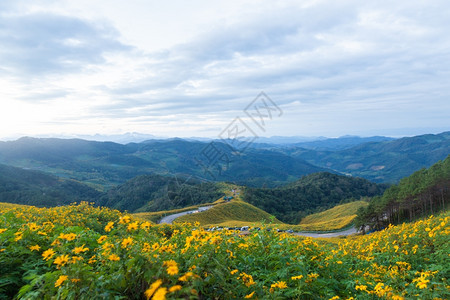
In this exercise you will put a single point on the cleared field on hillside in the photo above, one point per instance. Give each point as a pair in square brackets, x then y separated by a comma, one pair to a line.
[335, 218]
[232, 214]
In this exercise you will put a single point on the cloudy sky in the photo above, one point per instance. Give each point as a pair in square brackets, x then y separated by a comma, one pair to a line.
[189, 68]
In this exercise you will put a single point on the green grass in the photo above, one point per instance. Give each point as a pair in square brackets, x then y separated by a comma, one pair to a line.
[335, 218]
[232, 213]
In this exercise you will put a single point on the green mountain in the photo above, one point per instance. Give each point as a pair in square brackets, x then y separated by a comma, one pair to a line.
[105, 164]
[386, 161]
[310, 194]
[425, 192]
[41, 189]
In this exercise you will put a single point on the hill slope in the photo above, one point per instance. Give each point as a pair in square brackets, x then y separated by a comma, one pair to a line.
[334, 218]
[41, 189]
[231, 213]
[316, 191]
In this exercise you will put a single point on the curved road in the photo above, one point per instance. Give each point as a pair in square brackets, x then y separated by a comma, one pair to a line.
[169, 219]
[327, 235]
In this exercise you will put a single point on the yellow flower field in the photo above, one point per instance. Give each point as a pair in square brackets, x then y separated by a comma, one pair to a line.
[83, 252]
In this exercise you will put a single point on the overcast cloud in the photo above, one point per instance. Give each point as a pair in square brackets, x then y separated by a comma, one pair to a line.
[188, 69]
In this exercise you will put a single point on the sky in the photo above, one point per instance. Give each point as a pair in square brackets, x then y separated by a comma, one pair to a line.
[197, 68]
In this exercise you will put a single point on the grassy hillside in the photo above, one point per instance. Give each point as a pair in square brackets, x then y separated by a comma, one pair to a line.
[335, 218]
[233, 212]
[83, 252]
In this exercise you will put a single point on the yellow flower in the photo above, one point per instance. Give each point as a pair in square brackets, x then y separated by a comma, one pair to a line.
[60, 280]
[33, 226]
[48, 254]
[175, 288]
[101, 239]
[18, 236]
[234, 272]
[76, 258]
[172, 267]
[422, 283]
[109, 226]
[113, 257]
[124, 220]
[186, 276]
[2, 230]
[107, 246]
[68, 236]
[297, 277]
[155, 285]
[92, 260]
[126, 242]
[160, 294]
[249, 295]
[247, 279]
[61, 260]
[146, 225]
[279, 284]
[361, 287]
[35, 247]
[78, 250]
[335, 298]
[132, 226]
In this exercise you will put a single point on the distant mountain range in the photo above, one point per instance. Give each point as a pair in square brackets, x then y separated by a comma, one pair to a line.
[103, 165]
[386, 161]
[106, 164]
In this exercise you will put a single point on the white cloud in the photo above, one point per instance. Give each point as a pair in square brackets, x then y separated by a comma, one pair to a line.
[155, 67]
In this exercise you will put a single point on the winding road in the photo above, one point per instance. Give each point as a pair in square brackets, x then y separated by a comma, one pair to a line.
[169, 219]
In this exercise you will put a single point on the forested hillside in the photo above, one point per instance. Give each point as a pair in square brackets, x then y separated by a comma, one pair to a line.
[156, 193]
[425, 192]
[316, 191]
[41, 189]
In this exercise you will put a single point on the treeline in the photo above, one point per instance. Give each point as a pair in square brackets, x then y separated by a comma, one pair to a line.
[310, 194]
[425, 192]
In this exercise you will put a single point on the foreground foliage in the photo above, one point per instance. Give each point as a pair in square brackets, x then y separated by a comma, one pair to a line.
[82, 252]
